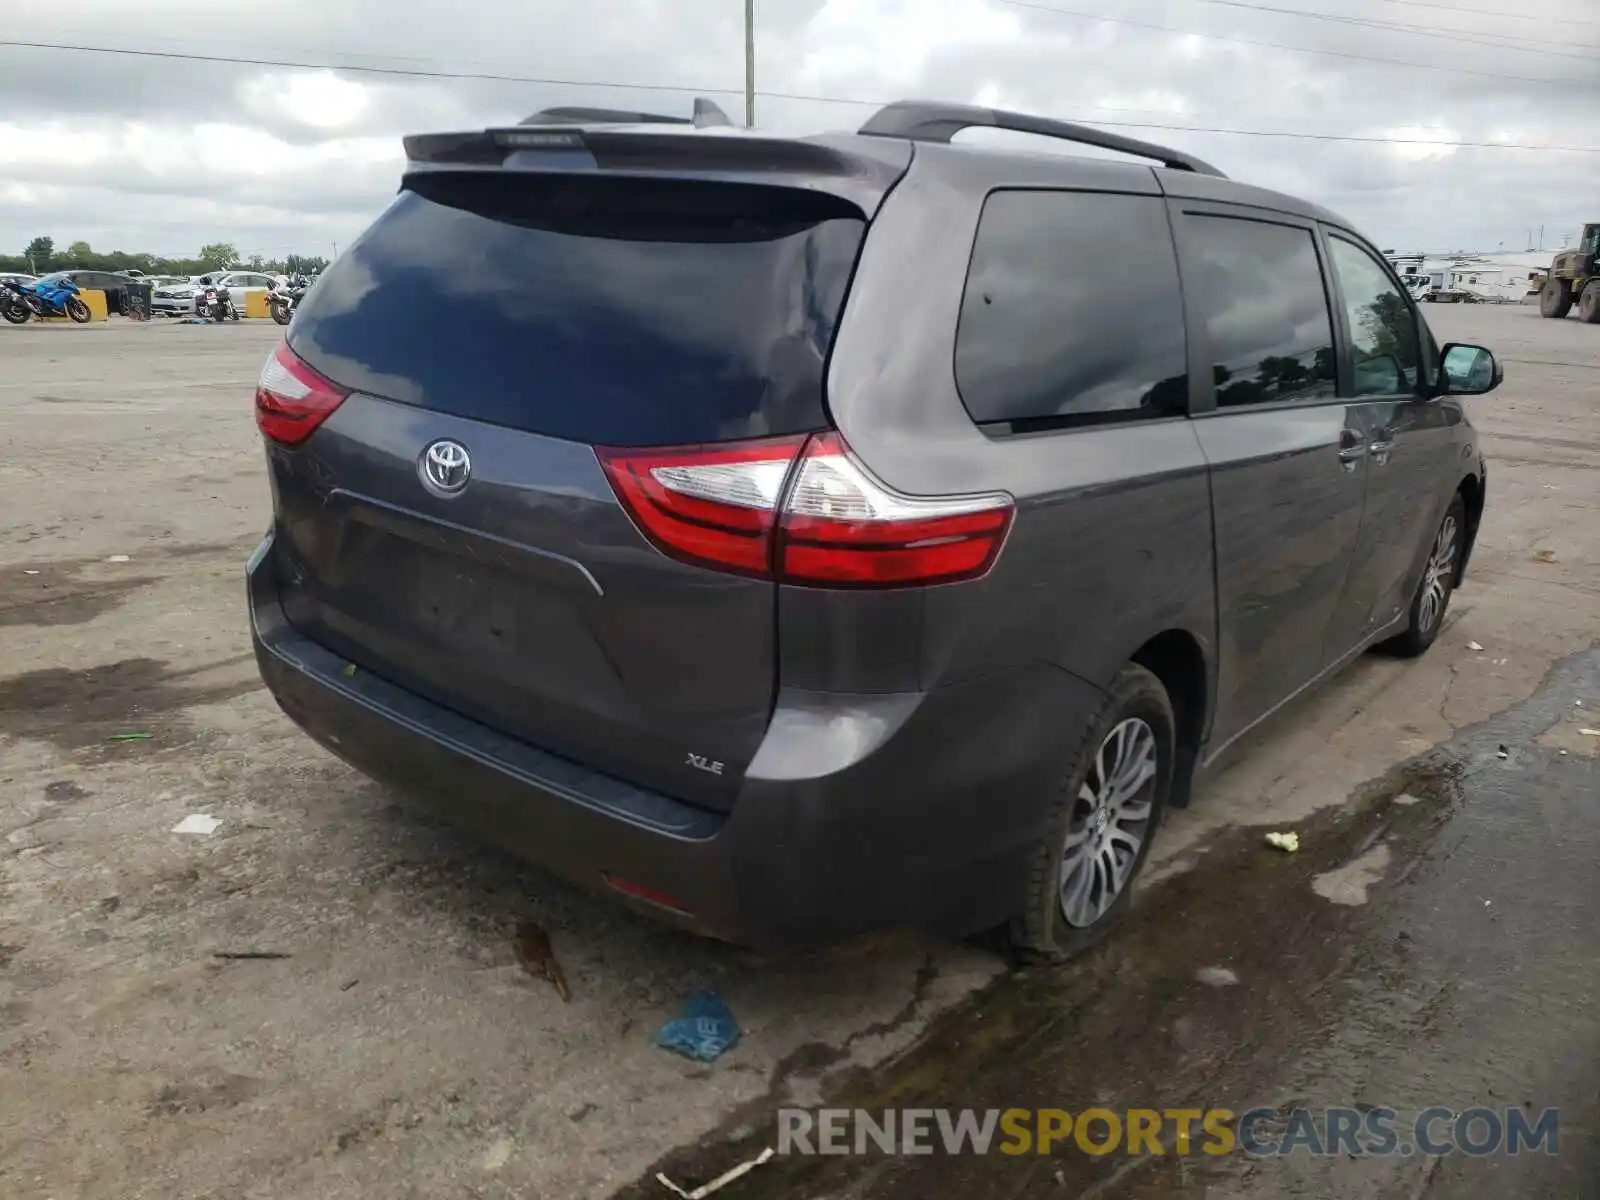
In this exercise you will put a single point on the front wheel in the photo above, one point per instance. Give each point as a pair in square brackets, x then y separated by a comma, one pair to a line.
[77, 310]
[280, 313]
[1589, 303]
[1555, 298]
[1438, 584]
[1102, 821]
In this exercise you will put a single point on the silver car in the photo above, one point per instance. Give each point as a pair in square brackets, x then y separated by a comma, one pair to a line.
[173, 296]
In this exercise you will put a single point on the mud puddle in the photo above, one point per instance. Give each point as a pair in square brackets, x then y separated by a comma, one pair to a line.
[1132, 1025]
[115, 710]
[76, 591]
[1225, 980]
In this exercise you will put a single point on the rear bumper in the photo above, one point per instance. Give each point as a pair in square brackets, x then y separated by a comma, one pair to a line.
[858, 812]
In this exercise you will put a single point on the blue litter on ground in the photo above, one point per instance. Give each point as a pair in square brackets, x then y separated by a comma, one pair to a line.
[197, 321]
[703, 1032]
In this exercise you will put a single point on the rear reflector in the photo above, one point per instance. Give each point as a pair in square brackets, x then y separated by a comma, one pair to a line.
[802, 510]
[639, 892]
[292, 399]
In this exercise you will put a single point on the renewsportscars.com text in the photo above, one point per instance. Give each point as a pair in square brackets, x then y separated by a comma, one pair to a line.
[1366, 1131]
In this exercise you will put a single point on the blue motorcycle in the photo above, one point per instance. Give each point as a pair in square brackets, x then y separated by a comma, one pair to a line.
[56, 298]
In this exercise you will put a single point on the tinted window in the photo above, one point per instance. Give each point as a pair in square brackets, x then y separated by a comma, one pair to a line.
[1260, 288]
[1051, 332]
[1383, 328]
[599, 310]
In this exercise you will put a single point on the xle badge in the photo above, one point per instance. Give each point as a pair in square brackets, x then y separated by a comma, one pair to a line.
[701, 763]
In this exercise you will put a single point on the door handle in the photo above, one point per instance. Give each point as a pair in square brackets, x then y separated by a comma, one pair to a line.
[1352, 449]
[1381, 450]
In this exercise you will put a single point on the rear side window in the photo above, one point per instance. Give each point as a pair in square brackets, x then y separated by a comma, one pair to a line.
[1266, 311]
[1072, 313]
[611, 311]
[1383, 328]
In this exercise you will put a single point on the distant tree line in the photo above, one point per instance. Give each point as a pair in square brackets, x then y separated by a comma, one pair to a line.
[41, 255]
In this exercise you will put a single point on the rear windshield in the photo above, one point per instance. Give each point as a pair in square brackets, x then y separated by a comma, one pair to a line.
[603, 310]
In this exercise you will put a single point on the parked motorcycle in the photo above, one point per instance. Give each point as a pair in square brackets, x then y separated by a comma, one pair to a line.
[214, 302]
[55, 298]
[14, 303]
[284, 298]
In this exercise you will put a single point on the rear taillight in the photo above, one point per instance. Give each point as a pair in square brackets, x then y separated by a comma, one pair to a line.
[713, 505]
[292, 399]
[803, 511]
[843, 528]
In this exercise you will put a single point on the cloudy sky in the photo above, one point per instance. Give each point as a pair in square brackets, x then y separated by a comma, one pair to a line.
[145, 152]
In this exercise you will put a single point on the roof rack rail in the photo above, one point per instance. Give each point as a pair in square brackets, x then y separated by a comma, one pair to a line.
[935, 121]
[706, 113]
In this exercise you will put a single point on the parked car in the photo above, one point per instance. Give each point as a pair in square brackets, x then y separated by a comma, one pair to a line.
[238, 283]
[171, 295]
[898, 559]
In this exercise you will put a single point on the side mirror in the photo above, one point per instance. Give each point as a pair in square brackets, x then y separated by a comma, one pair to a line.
[1468, 371]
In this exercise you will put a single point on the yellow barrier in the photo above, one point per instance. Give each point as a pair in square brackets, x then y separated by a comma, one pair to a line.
[95, 299]
[255, 305]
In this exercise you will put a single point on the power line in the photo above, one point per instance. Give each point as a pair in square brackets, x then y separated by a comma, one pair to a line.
[775, 95]
[406, 72]
[1490, 12]
[1471, 37]
[1565, 81]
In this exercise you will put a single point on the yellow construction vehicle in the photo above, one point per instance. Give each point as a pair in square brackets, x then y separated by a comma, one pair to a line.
[1575, 279]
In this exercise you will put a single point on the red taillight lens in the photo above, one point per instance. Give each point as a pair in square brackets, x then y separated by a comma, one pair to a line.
[713, 505]
[292, 399]
[842, 528]
[831, 525]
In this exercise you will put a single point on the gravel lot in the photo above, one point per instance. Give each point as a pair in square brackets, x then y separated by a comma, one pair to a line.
[396, 1049]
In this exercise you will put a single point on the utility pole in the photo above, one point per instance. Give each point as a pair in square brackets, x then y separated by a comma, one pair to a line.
[749, 64]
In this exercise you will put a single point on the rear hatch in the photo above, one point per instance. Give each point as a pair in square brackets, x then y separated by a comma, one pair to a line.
[492, 329]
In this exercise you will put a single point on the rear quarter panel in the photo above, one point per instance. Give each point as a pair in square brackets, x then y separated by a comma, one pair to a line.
[1112, 542]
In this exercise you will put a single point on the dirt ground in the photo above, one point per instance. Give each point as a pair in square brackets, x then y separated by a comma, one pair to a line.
[392, 1046]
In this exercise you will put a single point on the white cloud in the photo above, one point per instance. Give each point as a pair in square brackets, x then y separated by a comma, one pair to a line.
[165, 154]
[316, 99]
[1420, 144]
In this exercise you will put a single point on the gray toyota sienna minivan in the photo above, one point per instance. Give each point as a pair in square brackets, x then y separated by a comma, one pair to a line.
[797, 535]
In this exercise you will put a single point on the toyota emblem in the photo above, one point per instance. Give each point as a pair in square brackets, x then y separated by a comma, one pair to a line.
[445, 467]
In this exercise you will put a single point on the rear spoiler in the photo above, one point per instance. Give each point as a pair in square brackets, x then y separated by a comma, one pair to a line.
[665, 148]
[706, 115]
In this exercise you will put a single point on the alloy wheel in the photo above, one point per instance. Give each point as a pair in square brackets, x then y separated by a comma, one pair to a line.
[1436, 577]
[1109, 824]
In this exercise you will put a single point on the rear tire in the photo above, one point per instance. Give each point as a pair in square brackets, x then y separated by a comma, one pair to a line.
[1432, 598]
[1555, 298]
[1083, 868]
[77, 310]
[17, 313]
[280, 313]
[1589, 303]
